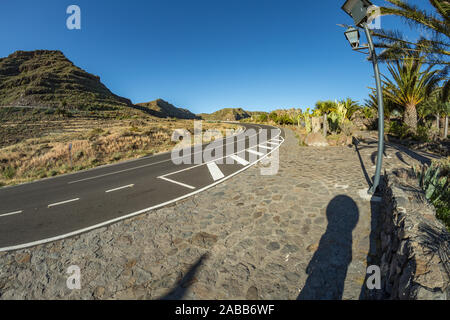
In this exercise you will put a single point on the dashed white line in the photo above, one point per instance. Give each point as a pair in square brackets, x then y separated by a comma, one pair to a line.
[239, 160]
[120, 188]
[133, 214]
[120, 171]
[176, 182]
[62, 202]
[10, 214]
[215, 171]
[255, 152]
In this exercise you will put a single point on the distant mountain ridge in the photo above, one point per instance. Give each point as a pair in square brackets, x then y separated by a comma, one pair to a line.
[163, 109]
[48, 78]
[226, 114]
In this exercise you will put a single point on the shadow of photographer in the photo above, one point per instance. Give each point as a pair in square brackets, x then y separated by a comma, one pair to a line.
[327, 269]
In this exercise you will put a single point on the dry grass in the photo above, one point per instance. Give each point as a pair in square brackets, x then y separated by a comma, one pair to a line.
[94, 143]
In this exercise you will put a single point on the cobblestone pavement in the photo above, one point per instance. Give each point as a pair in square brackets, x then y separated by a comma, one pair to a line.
[304, 233]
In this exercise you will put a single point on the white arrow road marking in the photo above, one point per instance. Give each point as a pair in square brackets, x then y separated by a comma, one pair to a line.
[10, 214]
[62, 202]
[179, 183]
[215, 171]
[239, 160]
[265, 147]
[255, 152]
[120, 188]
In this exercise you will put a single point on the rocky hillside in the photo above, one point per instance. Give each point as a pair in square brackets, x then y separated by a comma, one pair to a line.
[163, 109]
[227, 114]
[47, 78]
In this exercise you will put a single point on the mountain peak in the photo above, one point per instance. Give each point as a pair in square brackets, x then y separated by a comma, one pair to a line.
[163, 109]
[47, 78]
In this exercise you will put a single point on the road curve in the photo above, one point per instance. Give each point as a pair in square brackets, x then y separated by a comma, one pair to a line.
[64, 206]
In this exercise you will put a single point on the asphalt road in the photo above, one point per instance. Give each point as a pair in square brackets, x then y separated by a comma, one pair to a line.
[60, 207]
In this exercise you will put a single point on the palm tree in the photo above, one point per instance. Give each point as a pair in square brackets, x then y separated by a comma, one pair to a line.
[325, 107]
[435, 105]
[351, 106]
[410, 86]
[390, 107]
[436, 26]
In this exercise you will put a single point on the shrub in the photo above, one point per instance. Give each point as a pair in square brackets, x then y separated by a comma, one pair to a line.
[398, 129]
[9, 172]
[263, 118]
[423, 134]
[273, 116]
[347, 127]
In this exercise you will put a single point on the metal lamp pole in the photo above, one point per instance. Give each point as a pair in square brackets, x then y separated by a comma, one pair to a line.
[359, 11]
[376, 69]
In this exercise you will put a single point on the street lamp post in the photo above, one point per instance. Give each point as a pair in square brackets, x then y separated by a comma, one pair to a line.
[358, 10]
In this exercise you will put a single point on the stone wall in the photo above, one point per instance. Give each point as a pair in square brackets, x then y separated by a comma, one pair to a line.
[415, 246]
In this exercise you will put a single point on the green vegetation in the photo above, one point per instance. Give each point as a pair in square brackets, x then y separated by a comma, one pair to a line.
[95, 142]
[435, 181]
[433, 27]
[417, 89]
[410, 86]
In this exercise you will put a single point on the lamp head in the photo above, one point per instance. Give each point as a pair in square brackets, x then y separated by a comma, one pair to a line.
[353, 37]
[357, 9]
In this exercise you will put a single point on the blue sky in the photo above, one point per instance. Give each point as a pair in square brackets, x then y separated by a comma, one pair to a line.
[201, 54]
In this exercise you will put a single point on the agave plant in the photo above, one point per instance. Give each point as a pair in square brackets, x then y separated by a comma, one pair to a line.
[431, 181]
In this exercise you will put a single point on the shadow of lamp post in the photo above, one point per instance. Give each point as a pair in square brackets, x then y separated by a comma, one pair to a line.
[360, 10]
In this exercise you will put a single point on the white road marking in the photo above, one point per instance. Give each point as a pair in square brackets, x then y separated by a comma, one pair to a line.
[276, 140]
[176, 182]
[133, 214]
[120, 171]
[62, 202]
[120, 188]
[10, 214]
[146, 165]
[265, 147]
[272, 143]
[255, 152]
[202, 164]
[239, 160]
[215, 171]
